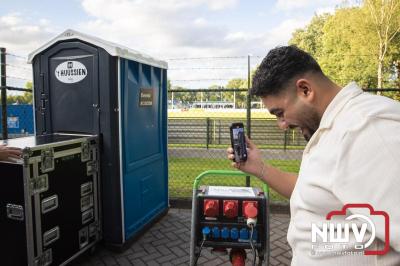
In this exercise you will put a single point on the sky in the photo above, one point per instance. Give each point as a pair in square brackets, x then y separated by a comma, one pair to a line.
[220, 34]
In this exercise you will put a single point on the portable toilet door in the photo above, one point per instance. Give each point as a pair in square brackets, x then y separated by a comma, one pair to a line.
[143, 142]
[83, 84]
[67, 86]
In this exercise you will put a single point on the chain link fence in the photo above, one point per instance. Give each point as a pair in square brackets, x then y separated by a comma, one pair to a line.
[198, 120]
[198, 137]
[16, 114]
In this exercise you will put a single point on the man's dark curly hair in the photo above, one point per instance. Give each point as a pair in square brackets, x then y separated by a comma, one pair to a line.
[279, 66]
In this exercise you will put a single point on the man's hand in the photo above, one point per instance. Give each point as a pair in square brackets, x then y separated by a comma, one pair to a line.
[253, 165]
[9, 153]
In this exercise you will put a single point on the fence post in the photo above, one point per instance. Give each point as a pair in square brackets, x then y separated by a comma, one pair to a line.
[219, 132]
[3, 85]
[248, 116]
[285, 140]
[208, 132]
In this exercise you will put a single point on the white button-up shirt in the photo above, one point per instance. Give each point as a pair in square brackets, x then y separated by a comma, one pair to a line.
[353, 157]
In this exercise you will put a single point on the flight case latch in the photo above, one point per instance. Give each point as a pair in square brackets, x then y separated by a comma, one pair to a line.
[91, 168]
[39, 184]
[85, 156]
[47, 163]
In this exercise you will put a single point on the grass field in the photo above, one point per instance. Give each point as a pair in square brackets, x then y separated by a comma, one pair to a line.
[183, 171]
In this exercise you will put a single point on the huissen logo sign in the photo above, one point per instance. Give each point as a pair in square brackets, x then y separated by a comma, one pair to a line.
[70, 72]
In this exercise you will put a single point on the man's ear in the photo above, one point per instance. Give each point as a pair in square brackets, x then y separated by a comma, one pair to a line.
[304, 90]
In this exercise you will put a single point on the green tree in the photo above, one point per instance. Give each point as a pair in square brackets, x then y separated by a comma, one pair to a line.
[310, 38]
[385, 18]
[239, 98]
[347, 47]
[237, 84]
[169, 85]
[25, 98]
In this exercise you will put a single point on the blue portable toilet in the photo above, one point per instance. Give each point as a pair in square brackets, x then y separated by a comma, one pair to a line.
[86, 85]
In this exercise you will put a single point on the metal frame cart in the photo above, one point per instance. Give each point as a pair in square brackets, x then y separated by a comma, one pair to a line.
[230, 217]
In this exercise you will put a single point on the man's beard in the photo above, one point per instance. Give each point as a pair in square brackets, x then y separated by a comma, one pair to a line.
[310, 123]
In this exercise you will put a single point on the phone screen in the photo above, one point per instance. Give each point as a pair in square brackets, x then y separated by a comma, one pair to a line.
[238, 142]
[238, 133]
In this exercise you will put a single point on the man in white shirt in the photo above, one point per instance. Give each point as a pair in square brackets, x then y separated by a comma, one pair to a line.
[352, 157]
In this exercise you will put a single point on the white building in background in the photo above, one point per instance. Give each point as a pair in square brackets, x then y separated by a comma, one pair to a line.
[257, 105]
[213, 105]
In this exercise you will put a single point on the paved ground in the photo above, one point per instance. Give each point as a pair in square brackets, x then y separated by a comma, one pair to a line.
[167, 243]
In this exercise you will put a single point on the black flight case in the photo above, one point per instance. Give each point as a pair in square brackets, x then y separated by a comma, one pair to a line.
[49, 200]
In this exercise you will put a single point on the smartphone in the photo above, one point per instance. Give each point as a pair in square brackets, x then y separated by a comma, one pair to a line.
[238, 142]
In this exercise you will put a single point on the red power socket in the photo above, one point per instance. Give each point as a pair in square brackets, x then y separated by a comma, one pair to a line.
[250, 209]
[231, 208]
[211, 207]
